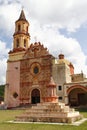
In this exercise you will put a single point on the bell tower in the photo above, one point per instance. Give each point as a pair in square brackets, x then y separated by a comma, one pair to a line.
[21, 42]
[21, 37]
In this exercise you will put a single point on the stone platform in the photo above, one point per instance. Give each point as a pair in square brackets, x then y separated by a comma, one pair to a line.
[49, 112]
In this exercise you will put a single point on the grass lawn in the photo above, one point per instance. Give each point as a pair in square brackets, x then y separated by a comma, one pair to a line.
[6, 115]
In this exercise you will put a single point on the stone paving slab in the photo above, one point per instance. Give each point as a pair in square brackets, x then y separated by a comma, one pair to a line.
[77, 123]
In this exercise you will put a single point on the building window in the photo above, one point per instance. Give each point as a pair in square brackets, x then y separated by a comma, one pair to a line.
[36, 70]
[24, 42]
[27, 28]
[60, 98]
[59, 87]
[15, 95]
[19, 27]
[17, 42]
[72, 78]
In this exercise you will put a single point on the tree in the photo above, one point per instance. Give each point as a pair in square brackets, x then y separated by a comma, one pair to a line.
[2, 88]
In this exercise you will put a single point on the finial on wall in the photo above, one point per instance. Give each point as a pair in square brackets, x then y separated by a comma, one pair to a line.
[35, 38]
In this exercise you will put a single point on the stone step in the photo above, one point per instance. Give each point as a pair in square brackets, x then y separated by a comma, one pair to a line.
[40, 113]
[53, 112]
[50, 105]
[60, 119]
[45, 109]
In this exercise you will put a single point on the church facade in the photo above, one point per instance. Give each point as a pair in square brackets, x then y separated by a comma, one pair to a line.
[33, 75]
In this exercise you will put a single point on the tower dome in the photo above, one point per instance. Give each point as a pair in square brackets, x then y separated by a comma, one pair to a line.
[61, 56]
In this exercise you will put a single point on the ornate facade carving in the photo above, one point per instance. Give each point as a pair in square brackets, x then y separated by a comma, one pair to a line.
[35, 69]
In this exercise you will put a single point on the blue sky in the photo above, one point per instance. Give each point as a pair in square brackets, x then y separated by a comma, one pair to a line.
[59, 25]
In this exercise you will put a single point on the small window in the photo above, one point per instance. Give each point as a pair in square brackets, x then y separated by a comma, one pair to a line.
[24, 42]
[27, 28]
[72, 78]
[19, 27]
[59, 87]
[15, 95]
[17, 42]
[60, 98]
[36, 70]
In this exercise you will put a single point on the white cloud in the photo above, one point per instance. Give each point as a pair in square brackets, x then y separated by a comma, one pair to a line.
[3, 59]
[3, 50]
[70, 15]
[8, 15]
[46, 18]
[3, 71]
[56, 43]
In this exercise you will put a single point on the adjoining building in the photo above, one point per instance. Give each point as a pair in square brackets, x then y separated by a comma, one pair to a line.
[34, 75]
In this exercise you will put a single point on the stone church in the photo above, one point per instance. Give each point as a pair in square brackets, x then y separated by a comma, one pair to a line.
[35, 76]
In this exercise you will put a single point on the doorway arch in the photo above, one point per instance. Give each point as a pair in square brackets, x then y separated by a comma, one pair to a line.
[35, 96]
[77, 95]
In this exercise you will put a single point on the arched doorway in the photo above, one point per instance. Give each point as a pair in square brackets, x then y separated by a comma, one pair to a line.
[77, 95]
[35, 96]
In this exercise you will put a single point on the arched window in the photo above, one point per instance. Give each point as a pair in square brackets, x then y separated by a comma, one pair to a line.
[17, 43]
[27, 28]
[19, 27]
[24, 42]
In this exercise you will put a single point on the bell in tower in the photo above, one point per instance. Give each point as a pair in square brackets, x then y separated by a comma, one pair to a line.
[21, 36]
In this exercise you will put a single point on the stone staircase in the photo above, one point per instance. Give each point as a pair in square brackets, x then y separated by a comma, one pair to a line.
[49, 112]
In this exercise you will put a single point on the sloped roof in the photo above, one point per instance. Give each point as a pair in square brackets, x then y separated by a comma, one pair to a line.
[22, 15]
